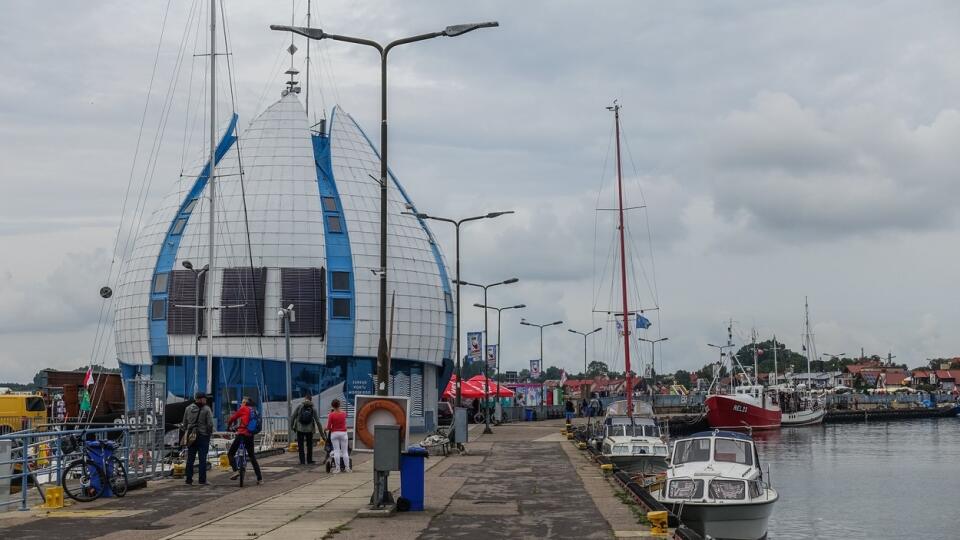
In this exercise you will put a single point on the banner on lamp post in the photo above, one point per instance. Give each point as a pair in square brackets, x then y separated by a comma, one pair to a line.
[534, 369]
[492, 356]
[475, 346]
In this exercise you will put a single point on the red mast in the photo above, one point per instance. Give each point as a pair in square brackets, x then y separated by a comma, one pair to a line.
[623, 265]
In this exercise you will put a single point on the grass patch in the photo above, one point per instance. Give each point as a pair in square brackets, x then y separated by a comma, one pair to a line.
[634, 507]
[334, 531]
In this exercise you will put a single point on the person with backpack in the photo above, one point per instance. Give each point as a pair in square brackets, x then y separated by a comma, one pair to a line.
[249, 424]
[304, 422]
[198, 426]
[337, 428]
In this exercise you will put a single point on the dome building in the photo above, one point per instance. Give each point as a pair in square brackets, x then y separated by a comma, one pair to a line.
[296, 222]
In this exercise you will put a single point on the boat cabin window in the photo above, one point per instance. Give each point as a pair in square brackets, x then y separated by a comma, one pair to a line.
[626, 430]
[691, 450]
[731, 451]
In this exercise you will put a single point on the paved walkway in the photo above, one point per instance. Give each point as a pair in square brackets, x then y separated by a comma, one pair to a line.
[524, 481]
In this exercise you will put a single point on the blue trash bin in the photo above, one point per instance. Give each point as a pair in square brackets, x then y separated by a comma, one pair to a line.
[528, 415]
[100, 452]
[411, 476]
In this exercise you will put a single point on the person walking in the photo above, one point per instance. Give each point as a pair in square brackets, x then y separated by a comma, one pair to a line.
[198, 423]
[304, 421]
[242, 419]
[337, 429]
[569, 409]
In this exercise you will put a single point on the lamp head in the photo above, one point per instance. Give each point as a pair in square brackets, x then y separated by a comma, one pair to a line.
[461, 29]
[188, 265]
[511, 280]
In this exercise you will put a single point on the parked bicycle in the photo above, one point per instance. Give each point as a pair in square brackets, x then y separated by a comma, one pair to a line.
[84, 479]
[241, 460]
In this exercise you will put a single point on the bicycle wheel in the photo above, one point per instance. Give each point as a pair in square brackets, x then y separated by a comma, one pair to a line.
[118, 476]
[82, 480]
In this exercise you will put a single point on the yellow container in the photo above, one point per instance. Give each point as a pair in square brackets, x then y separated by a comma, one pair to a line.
[224, 462]
[607, 467]
[54, 497]
[658, 522]
[292, 447]
[179, 469]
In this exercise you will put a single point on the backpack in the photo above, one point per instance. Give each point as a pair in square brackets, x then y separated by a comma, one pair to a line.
[254, 425]
[306, 415]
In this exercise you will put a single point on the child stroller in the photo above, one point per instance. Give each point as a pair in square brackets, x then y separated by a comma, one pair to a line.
[328, 448]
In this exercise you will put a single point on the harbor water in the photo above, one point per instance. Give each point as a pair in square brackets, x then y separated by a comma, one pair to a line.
[879, 480]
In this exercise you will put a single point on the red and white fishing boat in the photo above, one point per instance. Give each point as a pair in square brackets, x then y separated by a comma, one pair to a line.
[749, 406]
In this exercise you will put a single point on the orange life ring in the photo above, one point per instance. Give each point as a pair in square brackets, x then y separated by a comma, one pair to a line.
[391, 407]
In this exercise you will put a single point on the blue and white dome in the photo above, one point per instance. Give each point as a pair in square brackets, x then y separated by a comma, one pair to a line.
[297, 221]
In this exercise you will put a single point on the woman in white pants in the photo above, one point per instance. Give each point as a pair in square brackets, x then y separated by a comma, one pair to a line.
[337, 428]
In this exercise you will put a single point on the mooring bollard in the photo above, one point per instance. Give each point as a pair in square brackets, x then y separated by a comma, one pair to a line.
[658, 522]
[53, 497]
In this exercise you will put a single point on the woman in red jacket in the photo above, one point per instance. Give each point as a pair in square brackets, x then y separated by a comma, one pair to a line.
[337, 428]
[242, 418]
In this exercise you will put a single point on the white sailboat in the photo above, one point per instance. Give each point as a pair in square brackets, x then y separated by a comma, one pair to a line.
[800, 406]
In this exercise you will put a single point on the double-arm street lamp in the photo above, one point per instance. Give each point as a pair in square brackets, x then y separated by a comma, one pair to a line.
[499, 346]
[486, 334]
[197, 273]
[456, 280]
[541, 327]
[584, 334]
[384, 50]
[653, 361]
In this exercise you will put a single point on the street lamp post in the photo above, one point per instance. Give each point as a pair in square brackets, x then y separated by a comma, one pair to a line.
[541, 327]
[499, 347]
[456, 225]
[486, 333]
[288, 315]
[384, 50]
[197, 273]
[653, 362]
[584, 334]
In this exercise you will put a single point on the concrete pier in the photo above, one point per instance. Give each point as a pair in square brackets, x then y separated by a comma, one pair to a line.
[525, 480]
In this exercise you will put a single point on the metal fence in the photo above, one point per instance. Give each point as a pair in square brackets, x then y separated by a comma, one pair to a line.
[9, 424]
[36, 458]
[147, 452]
[540, 412]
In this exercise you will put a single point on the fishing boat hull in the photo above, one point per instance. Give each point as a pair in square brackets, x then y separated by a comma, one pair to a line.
[640, 464]
[803, 418]
[732, 412]
[726, 521]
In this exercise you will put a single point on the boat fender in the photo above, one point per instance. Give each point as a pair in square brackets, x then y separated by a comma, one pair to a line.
[363, 430]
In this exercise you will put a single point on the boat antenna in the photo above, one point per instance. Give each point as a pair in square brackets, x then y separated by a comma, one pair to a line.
[292, 83]
[306, 86]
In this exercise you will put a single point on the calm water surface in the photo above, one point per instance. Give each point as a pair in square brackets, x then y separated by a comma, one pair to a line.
[878, 480]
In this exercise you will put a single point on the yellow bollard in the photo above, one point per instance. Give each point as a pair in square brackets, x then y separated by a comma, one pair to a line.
[54, 497]
[658, 522]
[292, 447]
[224, 462]
[607, 467]
[179, 469]
[582, 445]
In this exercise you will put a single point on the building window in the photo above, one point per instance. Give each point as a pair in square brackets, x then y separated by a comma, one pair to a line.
[341, 308]
[190, 206]
[157, 310]
[305, 288]
[340, 281]
[448, 301]
[178, 226]
[329, 204]
[184, 291]
[333, 224]
[243, 289]
[160, 282]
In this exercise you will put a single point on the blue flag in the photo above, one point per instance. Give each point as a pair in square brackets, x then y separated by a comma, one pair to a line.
[643, 322]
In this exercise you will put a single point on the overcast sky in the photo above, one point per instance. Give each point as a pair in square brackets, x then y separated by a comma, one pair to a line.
[781, 149]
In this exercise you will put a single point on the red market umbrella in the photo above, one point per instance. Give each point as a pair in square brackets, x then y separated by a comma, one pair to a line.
[495, 389]
[467, 390]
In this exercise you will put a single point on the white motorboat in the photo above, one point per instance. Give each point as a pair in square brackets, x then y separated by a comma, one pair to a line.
[633, 442]
[715, 485]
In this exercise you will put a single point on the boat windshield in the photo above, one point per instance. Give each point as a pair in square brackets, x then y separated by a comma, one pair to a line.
[626, 430]
[732, 451]
[691, 450]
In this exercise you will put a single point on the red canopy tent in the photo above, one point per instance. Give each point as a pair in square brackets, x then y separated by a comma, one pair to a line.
[495, 388]
[467, 390]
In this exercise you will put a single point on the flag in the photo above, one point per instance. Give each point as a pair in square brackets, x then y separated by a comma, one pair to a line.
[563, 377]
[88, 380]
[475, 346]
[535, 368]
[643, 322]
[620, 328]
[84, 400]
[491, 356]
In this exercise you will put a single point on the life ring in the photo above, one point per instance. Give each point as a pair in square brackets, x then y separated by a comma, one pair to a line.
[377, 404]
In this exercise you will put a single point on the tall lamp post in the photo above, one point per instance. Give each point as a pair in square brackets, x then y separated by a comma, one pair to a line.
[288, 315]
[499, 347]
[197, 274]
[541, 327]
[584, 334]
[456, 225]
[653, 361]
[384, 50]
[486, 334]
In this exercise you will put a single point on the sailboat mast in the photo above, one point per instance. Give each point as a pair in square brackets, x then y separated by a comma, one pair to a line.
[623, 266]
[775, 376]
[806, 336]
[212, 183]
[753, 340]
[307, 86]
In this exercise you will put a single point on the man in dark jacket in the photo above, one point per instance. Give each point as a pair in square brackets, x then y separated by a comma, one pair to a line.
[198, 418]
[305, 422]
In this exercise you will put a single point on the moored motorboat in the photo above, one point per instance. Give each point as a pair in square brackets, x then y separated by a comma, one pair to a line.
[715, 485]
[633, 442]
